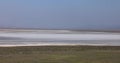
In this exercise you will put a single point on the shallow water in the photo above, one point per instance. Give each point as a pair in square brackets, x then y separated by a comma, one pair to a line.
[59, 38]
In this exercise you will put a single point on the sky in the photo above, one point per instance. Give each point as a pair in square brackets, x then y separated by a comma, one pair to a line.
[60, 14]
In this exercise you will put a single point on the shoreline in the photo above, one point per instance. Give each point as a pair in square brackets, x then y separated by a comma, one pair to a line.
[99, 45]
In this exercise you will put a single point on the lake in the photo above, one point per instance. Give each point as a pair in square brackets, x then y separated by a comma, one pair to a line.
[57, 37]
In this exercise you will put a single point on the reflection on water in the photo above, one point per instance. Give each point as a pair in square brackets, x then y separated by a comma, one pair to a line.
[17, 41]
[9, 38]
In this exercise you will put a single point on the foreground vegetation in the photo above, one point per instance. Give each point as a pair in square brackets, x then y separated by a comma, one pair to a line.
[60, 54]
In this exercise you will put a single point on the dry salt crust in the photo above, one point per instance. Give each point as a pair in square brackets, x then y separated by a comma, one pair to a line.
[33, 38]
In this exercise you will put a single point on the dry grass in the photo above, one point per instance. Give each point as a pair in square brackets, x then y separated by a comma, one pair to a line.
[60, 54]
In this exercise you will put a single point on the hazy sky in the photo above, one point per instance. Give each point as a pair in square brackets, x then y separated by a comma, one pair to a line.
[61, 14]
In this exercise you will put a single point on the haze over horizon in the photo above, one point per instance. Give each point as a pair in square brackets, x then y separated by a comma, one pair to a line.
[60, 14]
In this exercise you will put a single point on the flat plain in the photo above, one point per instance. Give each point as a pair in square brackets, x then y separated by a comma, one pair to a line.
[60, 54]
